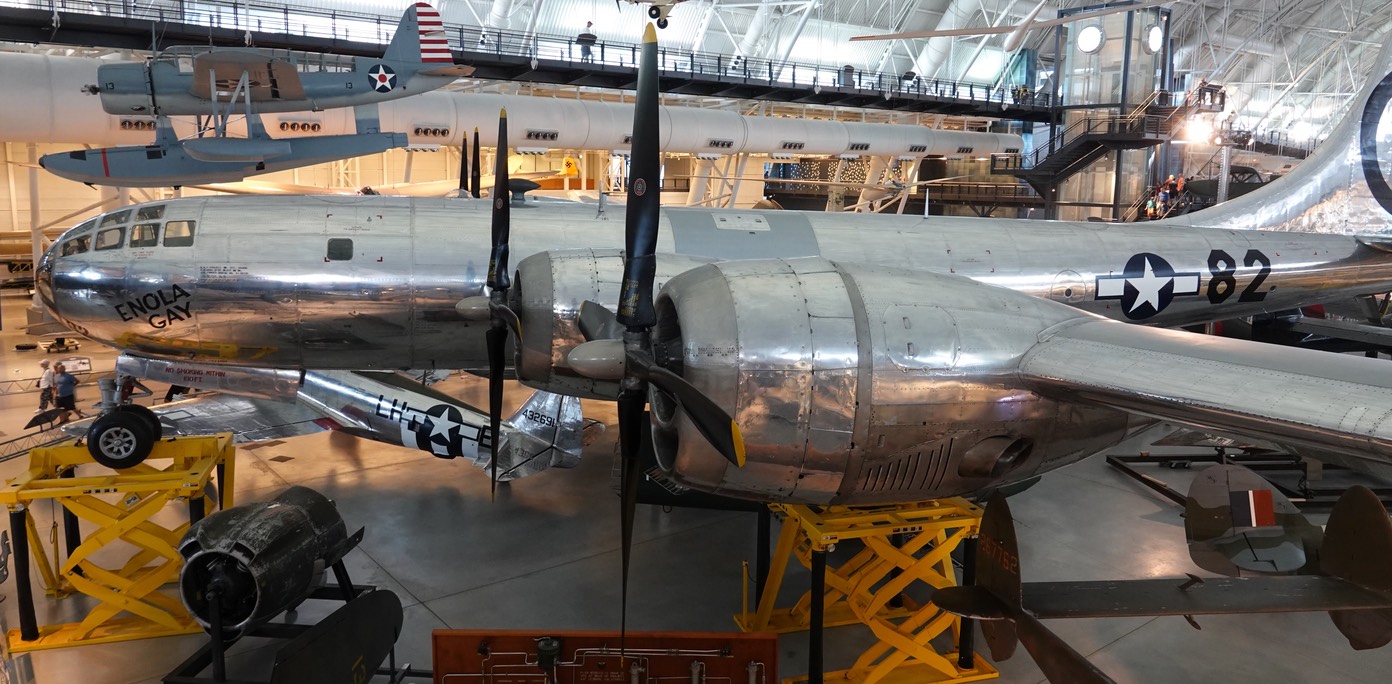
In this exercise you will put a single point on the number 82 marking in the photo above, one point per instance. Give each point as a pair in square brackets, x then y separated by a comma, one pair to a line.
[1223, 269]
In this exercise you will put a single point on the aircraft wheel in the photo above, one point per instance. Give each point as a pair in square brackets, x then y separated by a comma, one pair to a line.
[119, 440]
[654, 12]
[152, 422]
[662, 23]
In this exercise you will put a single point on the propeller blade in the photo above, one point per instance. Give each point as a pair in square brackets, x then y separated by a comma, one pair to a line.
[476, 179]
[631, 423]
[635, 296]
[508, 316]
[712, 421]
[464, 167]
[597, 322]
[502, 217]
[497, 341]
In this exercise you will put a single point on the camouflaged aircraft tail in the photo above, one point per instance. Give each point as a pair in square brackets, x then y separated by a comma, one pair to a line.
[1238, 525]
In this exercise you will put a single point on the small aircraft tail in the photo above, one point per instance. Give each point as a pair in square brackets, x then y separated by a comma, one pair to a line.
[1358, 550]
[420, 37]
[547, 432]
[1342, 188]
[570, 169]
[1237, 524]
[996, 599]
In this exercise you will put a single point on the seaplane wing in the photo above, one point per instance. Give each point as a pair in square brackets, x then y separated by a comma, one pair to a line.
[1027, 26]
[267, 78]
[438, 188]
[1331, 402]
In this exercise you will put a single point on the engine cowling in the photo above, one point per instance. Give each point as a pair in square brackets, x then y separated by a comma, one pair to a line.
[547, 294]
[860, 385]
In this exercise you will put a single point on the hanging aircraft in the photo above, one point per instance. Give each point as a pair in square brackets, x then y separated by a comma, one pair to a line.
[193, 80]
[221, 83]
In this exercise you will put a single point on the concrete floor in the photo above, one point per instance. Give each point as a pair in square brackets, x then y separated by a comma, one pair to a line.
[545, 555]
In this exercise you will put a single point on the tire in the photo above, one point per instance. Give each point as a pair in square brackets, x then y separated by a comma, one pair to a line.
[662, 23]
[26, 346]
[654, 12]
[152, 422]
[119, 440]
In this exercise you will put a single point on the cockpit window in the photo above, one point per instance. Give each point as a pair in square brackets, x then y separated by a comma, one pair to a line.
[111, 238]
[178, 234]
[77, 245]
[144, 235]
[149, 212]
[116, 218]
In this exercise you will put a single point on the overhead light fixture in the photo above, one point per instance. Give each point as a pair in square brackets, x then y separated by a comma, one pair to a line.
[1154, 39]
[1090, 38]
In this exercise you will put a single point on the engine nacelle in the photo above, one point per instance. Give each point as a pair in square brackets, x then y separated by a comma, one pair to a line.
[547, 294]
[261, 558]
[861, 385]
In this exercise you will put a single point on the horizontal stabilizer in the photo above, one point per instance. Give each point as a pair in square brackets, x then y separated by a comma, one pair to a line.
[1237, 523]
[970, 602]
[456, 70]
[1214, 596]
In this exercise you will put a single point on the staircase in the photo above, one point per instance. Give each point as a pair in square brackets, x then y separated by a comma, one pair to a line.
[1150, 123]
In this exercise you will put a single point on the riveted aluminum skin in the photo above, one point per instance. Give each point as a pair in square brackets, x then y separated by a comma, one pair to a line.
[857, 384]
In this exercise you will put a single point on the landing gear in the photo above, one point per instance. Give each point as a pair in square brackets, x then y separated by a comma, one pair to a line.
[124, 435]
[662, 23]
[654, 12]
[120, 439]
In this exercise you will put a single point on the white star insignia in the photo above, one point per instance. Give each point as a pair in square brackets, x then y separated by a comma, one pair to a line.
[1148, 288]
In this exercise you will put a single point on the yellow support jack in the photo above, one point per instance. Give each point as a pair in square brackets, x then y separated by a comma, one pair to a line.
[122, 504]
[904, 544]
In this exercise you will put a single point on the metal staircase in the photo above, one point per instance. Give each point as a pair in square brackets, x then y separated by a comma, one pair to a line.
[1083, 142]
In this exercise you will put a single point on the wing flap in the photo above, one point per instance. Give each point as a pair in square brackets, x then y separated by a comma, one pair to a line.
[1335, 402]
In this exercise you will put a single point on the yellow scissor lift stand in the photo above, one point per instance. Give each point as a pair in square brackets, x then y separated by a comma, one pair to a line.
[122, 505]
[904, 543]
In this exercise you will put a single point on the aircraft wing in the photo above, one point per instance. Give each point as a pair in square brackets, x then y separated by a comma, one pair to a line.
[441, 187]
[1340, 404]
[253, 187]
[267, 78]
[248, 419]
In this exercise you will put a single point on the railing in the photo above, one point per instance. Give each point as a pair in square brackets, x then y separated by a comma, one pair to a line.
[370, 28]
[963, 192]
[1108, 125]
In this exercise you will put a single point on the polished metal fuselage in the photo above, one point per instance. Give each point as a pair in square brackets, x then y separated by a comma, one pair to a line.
[260, 286]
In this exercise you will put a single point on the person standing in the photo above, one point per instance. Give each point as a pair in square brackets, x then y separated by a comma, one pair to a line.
[586, 41]
[45, 387]
[65, 388]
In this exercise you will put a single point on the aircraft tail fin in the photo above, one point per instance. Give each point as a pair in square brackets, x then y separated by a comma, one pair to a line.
[1358, 550]
[1342, 187]
[420, 37]
[995, 594]
[547, 432]
[570, 169]
[1238, 524]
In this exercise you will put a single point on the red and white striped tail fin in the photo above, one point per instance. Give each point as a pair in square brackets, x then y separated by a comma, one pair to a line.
[434, 46]
[420, 36]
